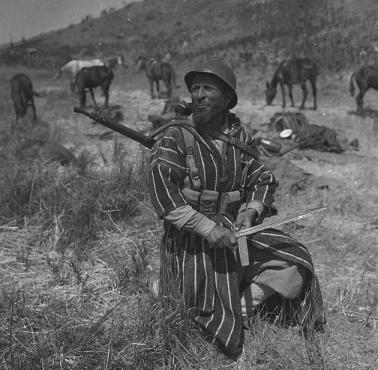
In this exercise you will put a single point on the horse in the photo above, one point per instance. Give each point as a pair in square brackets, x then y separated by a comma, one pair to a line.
[22, 94]
[90, 77]
[291, 72]
[74, 66]
[114, 61]
[365, 78]
[156, 71]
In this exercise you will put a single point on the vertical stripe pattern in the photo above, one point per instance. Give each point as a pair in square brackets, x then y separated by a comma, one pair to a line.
[209, 276]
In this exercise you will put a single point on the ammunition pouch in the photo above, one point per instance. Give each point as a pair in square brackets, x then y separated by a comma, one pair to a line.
[210, 202]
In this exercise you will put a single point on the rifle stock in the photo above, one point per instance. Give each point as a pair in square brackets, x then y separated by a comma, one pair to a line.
[115, 126]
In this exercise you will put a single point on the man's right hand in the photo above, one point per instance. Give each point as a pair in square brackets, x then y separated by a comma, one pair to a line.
[221, 237]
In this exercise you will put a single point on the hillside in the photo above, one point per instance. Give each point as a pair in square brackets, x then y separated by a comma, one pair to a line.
[242, 31]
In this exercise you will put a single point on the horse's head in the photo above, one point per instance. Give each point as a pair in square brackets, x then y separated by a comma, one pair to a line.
[270, 93]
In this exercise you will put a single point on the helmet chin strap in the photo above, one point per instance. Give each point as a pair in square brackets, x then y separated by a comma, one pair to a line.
[228, 96]
[228, 100]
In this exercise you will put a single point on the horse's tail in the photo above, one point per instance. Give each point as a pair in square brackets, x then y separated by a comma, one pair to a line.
[351, 84]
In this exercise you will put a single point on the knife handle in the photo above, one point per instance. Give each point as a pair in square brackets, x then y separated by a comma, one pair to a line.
[243, 250]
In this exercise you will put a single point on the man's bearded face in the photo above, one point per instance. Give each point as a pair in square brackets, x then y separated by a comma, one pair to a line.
[209, 99]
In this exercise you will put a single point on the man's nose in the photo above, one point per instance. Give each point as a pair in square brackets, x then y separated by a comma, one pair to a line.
[201, 92]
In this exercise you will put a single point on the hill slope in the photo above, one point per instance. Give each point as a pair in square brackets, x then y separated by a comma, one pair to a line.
[330, 31]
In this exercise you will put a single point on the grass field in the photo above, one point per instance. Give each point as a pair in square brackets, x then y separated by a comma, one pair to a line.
[79, 244]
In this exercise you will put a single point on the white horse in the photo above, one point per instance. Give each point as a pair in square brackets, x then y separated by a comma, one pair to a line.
[75, 65]
[114, 60]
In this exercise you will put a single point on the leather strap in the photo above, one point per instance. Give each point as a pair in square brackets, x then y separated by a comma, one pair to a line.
[188, 125]
[190, 161]
[232, 141]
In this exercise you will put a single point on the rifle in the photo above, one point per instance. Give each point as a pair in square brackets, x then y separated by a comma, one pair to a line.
[149, 141]
[115, 126]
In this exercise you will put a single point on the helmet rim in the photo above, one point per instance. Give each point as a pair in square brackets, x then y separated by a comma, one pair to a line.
[211, 69]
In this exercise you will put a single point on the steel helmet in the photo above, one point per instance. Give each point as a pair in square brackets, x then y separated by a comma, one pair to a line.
[218, 69]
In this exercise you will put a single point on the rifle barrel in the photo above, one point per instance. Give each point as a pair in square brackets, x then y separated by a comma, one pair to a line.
[115, 126]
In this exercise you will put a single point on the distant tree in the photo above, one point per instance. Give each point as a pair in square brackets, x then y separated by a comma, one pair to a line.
[87, 18]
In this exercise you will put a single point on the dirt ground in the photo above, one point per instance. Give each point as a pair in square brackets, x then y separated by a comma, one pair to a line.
[345, 183]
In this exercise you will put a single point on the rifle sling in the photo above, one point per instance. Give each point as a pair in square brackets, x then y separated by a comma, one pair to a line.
[214, 134]
[231, 141]
[149, 140]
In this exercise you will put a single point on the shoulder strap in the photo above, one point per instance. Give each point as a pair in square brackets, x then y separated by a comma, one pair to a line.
[189, 136]
[193, 175]
[234, 142]
[187, 125]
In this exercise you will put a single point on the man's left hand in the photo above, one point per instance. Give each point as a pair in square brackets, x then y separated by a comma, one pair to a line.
[247, 218]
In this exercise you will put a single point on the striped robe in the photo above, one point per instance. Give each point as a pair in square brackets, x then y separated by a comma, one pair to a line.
[208, 279]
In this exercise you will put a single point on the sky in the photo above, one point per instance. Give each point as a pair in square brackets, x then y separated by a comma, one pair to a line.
[28, 18]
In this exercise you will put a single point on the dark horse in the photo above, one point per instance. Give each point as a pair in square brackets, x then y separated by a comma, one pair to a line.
[156, 71]
[291, 72]
[91, 77]
[22, 95]
[365, 78]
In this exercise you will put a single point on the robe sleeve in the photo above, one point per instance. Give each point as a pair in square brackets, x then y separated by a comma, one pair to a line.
[166, 173]
[258, 181]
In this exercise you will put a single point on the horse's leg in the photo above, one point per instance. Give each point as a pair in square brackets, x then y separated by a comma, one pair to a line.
[168, 87]
[169, 84]
[93, 97]
[283, 94]
[82, 98]
[34, 110]
[314, 92]
[105, 91]
[72, 85]
[304, 93]
[360, 99]
[290, 86]
[158, 88]
[151, 87]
